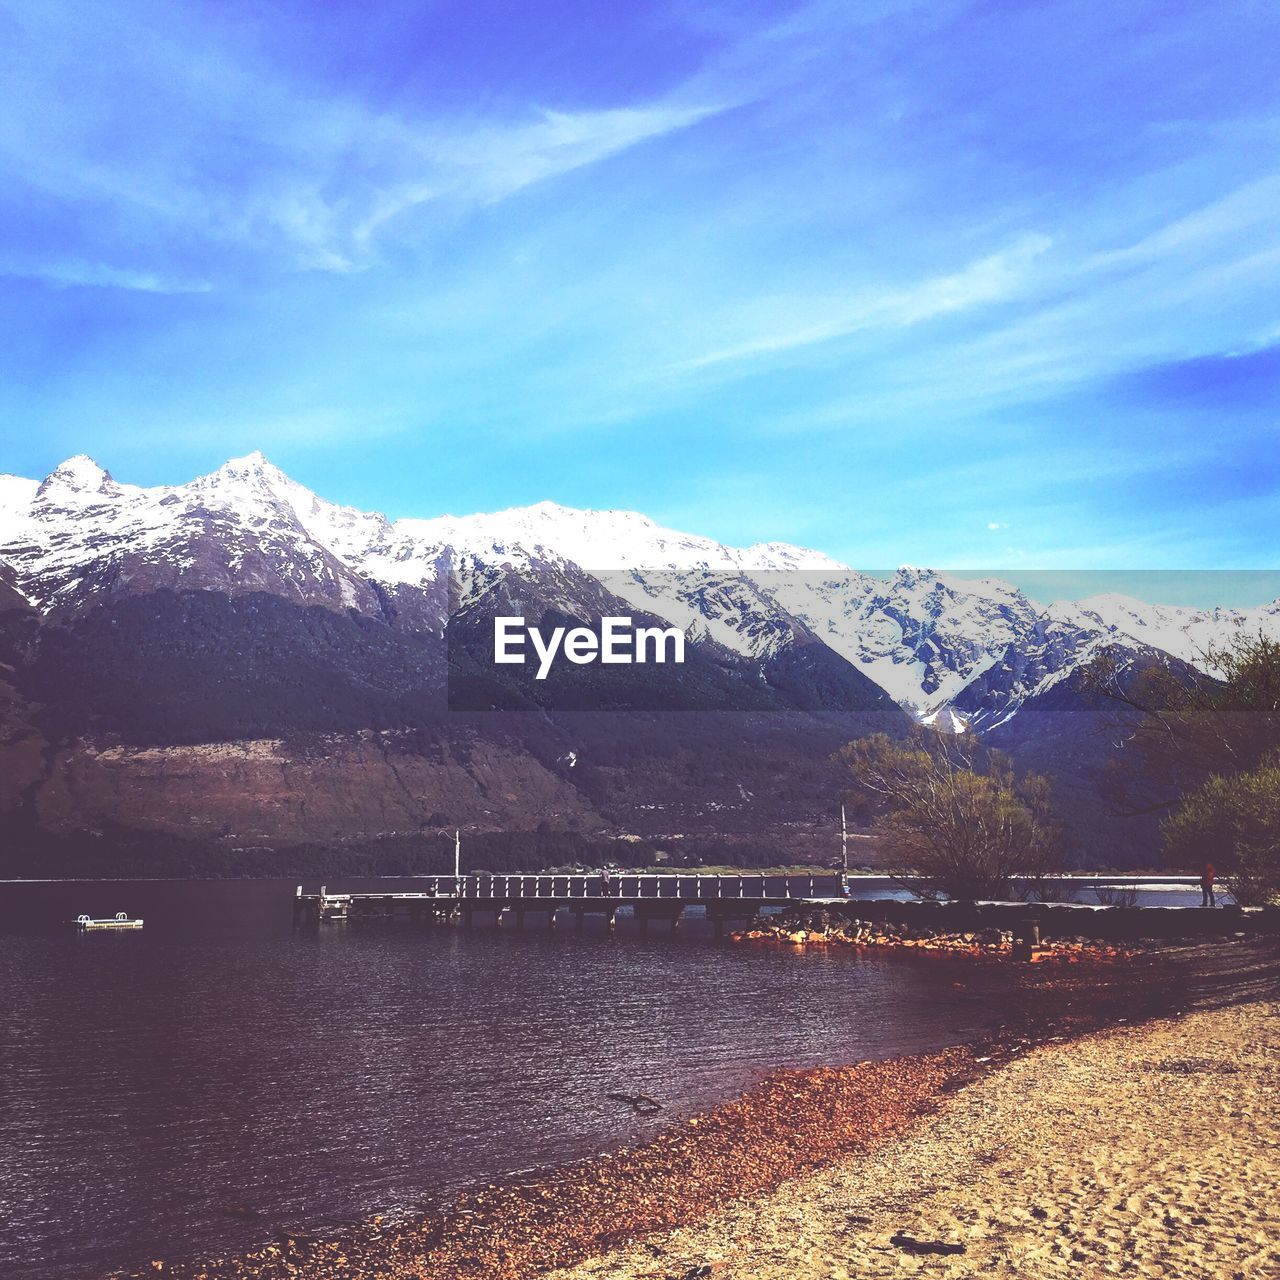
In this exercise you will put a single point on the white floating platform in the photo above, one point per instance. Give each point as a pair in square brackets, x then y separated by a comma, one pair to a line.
[119, 921]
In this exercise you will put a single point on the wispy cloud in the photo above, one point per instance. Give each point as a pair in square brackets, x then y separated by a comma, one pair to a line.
[1247, 208]
[100, 275]
[181, 145]
[994, 278]
[490, 162]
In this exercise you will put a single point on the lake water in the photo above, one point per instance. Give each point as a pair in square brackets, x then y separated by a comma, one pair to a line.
[193, 1087]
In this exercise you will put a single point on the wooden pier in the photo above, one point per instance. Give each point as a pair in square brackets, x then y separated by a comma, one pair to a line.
[510, 898]
[735, 898]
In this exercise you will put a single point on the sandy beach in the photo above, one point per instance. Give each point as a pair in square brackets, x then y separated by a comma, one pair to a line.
[1151, 1151]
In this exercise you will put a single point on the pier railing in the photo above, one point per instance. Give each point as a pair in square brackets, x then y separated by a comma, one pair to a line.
[648, 895]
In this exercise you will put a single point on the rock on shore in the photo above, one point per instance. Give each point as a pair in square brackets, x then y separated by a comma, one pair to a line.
[822, 928]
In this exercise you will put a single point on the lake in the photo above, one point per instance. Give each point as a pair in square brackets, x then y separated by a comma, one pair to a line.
[192, 1087]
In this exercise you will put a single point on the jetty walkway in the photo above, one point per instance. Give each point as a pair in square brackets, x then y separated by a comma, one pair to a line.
[649, 896]
[731, 899]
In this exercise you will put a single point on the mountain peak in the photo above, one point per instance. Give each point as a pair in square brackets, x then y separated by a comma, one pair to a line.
[788, 556]
[254, 478]
[1111, 600]
[910, 576]
[253, 466]
[80, 475]
[255, 488]
[547, 510]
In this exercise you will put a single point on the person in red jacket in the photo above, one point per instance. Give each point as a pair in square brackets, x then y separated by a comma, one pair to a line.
[1207, 877]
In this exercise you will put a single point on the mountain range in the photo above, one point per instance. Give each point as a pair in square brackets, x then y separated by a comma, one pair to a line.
[237, 660]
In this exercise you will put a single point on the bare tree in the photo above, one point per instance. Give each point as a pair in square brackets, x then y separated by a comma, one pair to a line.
[1219, 717]
[954, 818]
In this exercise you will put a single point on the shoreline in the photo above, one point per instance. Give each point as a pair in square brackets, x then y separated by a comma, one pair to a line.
[790, 1123]
[1146, 1150]
[526, 1226]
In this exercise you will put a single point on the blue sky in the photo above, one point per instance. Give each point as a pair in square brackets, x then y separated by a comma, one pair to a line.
[968, 285]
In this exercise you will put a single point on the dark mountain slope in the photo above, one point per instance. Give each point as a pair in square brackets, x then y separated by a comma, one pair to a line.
[187, 667]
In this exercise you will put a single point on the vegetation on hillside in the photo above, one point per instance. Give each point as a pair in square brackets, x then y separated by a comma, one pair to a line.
[1217, 740]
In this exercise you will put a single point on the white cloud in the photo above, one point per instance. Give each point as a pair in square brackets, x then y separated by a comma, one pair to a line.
[100, 275]
[193, 140]
[1247, 207]
[991, 279]
[490, 162]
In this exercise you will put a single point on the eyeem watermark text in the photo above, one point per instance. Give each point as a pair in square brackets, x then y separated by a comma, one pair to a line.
[618, 642]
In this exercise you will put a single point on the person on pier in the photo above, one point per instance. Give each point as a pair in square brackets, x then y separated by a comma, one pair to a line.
[1207, 878]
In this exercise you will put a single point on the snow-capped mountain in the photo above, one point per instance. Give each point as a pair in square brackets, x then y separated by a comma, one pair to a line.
[81, 536]
[600, 540]
[1185, 633]
[921, 635]
[953, 651]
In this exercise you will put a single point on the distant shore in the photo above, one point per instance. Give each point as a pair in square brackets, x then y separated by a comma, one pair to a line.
[791, 1123]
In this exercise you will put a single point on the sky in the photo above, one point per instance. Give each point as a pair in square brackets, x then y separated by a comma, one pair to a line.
[983, 285]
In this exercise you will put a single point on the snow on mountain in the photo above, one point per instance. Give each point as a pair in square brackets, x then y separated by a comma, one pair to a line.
[251, 485]
[16, 494]
[956, 652]
[595, 540]
[683, 578]
[947, 720]
[1186, 633]
[80, 480]
[732, 608]
[83, 536]
[921, 635]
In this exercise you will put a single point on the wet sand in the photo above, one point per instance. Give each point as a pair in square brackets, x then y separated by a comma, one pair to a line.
[1147, 1151]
